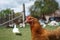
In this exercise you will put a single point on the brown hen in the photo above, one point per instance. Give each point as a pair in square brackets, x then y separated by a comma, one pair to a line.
[39, 33]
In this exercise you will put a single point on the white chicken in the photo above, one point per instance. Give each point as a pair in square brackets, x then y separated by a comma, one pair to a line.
[53, 23]
[11, 25]
[42, 23]
[15, 29]
[21, 25]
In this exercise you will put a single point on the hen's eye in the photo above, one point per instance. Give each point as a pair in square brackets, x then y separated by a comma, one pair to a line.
[30, 18]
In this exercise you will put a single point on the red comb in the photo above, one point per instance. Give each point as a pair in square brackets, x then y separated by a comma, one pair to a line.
[28, 16]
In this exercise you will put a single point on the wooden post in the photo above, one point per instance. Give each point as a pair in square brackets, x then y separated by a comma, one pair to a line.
[24, 15]
[24, 11]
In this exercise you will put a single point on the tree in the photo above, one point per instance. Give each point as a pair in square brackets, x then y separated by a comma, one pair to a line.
[5, 15]
[43, 7]
[20, 18]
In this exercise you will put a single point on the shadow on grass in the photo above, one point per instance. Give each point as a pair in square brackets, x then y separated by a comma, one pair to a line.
[19, 34]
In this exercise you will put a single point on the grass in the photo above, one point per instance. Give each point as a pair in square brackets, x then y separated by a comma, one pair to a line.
[7, 34]
[51, 27]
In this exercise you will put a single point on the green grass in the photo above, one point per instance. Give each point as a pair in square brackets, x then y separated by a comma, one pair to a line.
[7, 34]
[51, 27]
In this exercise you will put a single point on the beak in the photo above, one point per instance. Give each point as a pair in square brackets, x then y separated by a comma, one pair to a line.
[25, 21]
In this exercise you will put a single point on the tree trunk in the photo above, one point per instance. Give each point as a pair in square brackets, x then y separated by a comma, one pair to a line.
[43, 17]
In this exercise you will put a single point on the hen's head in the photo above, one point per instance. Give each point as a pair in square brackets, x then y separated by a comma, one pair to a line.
[30, 19]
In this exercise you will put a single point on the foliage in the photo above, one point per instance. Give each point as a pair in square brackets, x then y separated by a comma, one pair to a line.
[20, 19]
[5, 14]
[41, 7]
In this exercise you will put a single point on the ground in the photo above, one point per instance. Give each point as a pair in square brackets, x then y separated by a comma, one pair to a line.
[7, 34]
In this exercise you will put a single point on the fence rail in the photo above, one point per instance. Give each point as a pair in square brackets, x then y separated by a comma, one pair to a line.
[10, 20]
